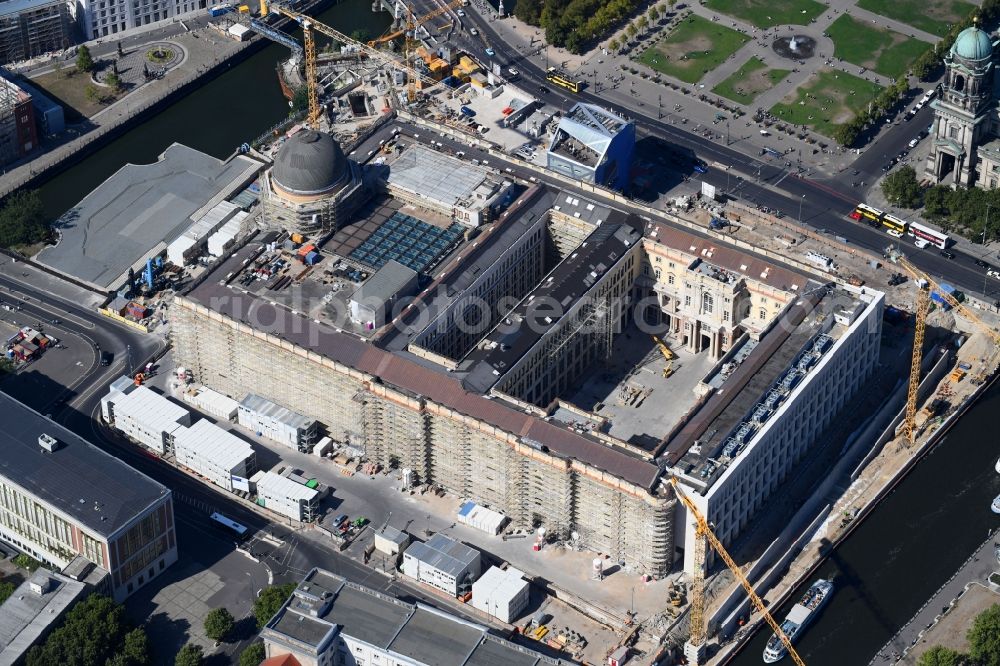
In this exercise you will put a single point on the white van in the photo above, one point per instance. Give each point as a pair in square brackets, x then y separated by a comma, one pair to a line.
[920, 242]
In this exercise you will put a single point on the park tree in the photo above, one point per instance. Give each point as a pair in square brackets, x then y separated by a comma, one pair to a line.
[84, 61]
[6, 587]
[114, 82]
[643, 23]
[984, 637]
[847, 133]
[937, 201]
[22, 222]
[902, 189]
[92, 93]
[253, 655]
[653, 13]
[190, 655]
[613, 45]
[90, 635]
[940, 656]
[269, 601]
[631, 30]
[135, 648]
[218, 623]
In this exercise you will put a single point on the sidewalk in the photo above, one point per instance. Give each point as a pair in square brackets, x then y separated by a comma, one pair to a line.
[604, 72]
[976, 569]
[202, 50]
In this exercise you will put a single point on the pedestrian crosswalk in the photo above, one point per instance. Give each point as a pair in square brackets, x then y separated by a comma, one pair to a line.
[199, 504]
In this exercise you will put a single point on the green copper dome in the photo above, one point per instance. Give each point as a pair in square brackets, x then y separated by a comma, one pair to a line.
[973, 44]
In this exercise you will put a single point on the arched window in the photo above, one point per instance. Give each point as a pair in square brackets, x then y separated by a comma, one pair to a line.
[707, 303]
[958, 83]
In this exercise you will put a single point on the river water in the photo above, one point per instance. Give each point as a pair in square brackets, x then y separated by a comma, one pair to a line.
[884, 572]
[910, 545]
[234, 107]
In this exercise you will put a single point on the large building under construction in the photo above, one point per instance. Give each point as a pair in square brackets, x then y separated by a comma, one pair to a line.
[523, 374]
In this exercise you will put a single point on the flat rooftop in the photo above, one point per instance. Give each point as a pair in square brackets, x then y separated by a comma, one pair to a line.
[562, 290]
[26, 615]
[324, 601]
[464, 269]
[77, 479]
[221, 291]
[755, 388]
[138, 211]
[434, 175]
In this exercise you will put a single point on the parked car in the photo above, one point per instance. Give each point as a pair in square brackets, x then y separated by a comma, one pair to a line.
[993, 273]
[982, 264]
[106, 358]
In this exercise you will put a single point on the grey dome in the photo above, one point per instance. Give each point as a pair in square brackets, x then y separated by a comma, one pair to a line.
[309, 163]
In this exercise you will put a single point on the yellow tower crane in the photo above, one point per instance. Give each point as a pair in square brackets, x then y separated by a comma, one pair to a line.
[310, 24]
[703, 532]
[389, 36]
[918, 338]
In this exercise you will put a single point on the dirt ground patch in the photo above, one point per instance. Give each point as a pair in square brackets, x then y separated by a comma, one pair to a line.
[69, 88]
[950, 631]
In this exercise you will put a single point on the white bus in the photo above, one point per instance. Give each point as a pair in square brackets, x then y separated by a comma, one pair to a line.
[231, 527]
[935, 238]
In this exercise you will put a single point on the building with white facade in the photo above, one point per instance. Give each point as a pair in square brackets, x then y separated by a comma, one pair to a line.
[501, 593]
[216, 454]
[329, 621]
[287, 497]
[731, 457]
[61, 498]
[213, 403]
[101, 18]
[444, 563]
[271, 420]
[143, 415]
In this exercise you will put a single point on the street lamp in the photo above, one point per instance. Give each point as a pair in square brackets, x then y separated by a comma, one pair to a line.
[986, 226]
[803, 198]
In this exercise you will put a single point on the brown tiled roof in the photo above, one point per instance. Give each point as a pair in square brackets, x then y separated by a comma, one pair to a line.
[754, 267]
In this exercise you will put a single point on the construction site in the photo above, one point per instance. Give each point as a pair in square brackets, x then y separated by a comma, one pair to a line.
[677, 393]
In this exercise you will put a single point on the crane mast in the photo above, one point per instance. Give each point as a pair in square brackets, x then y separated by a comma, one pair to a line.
[704, 532]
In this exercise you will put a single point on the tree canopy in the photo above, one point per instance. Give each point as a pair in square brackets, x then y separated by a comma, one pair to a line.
[22, 221]
[984, 637]
[575, 24]
[218, 623]
[940, 656]
[84, 61]
[92, 633]
[269, 601]
[253, 655]
[190, 655]
[902, 189]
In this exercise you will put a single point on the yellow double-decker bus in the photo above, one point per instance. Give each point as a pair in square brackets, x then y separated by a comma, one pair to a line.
[563, 79]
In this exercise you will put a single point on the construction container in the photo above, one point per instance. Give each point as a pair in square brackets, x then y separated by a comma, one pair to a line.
[297, 238]
[305, 249]
[244, 9]
[311, 259]
[136, 311]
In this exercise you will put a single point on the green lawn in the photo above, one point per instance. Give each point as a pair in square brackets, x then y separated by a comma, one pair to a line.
[766, 13]
[828, 98]
[931, 16]
[696, 46]
[69, 88]
[750, 80]
[879, 49]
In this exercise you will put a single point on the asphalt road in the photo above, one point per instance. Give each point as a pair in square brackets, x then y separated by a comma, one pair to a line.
[768, 181]
[79, 410]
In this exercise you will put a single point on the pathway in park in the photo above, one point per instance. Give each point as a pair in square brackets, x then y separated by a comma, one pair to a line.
[603, 72]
